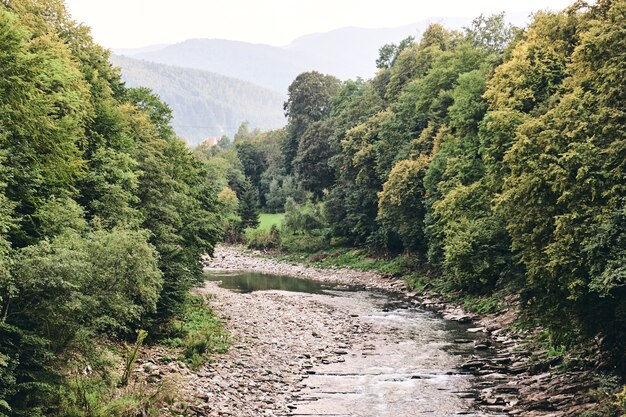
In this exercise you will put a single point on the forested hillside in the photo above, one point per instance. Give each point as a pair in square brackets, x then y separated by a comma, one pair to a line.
[492, 158]
[204, 104]
[103, 216]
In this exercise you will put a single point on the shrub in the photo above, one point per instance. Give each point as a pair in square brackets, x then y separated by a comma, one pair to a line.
[199, 332]
[263, 239]
[303, 218]
[232, 230]
[310, 242]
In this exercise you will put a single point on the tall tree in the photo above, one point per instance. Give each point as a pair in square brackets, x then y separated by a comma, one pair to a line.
[248, 205]
[309, 101]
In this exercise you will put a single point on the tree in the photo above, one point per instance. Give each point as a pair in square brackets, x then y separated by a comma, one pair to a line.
[309, 101]
[252, 161]
[248, 205]
[389, 52]
[160, 114]
[111, 189]
[566, 179]
[103, 212]
[401, 203]
[42, 111]
[491, 33]
[311, 165]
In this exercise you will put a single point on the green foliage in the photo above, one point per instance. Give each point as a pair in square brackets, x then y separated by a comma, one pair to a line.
[103, 217]
[311, 164]
[566, 182]
[309, 101]
[56, 216]
[248, 205]
[131, 357]
[491, 33]
[263, 238]
[496, 154]
[42, 109]
[199, 332]
[620, 401]
[70, 287]
[304, 243]
[388, 53]
[483, 305]
[111, 188]
[280, 190]
[475, 243]
[302, 219]
[401, 202]
[250, 156]
[229, 201]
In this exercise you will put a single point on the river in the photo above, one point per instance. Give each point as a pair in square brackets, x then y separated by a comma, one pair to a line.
[329, 350]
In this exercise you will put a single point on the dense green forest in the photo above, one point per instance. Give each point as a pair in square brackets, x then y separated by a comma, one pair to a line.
[491, 158]
[203, 103]
[104, 214]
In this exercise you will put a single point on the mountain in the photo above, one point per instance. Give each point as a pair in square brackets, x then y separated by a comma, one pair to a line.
[352, 52]
[265, 65]
[346, 53]
[255, 77]
[203, 103]
[134, 51]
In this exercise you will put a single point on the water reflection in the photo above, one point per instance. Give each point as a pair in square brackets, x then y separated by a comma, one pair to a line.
[246, 282]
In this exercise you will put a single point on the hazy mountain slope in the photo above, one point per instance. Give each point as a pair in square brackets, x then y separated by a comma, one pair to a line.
[345, 53]
[205, 104]
[264, 65]
[352, 52]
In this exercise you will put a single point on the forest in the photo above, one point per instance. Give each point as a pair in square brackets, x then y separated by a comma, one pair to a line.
[203, 103]
[490, 160]
[104, 214]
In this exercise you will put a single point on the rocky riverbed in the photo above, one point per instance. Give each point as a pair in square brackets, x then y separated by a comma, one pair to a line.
[373, 351]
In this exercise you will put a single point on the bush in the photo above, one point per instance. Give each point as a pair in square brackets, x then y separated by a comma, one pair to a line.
[263, 239]
[303, 218]
[199, 332]
[310, 242]
[232, 230]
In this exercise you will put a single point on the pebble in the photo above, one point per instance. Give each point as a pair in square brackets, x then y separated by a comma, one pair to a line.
[271, 352]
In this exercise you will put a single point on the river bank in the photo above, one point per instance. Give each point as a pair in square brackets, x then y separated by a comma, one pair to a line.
[362, 347]
[514, 380]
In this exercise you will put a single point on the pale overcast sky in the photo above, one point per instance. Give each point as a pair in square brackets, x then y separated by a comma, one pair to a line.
[138, 23]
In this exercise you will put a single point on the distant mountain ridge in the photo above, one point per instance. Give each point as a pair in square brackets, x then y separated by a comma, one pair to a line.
[203, 103]
[264, 65]
[254, 78]
[346, 53]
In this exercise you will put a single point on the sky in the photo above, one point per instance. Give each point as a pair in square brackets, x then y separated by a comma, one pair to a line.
[139, 23]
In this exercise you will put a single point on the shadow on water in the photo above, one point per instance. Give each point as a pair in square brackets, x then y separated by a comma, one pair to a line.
[246, 282]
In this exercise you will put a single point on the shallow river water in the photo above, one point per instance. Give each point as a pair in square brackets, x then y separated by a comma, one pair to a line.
[402, 361]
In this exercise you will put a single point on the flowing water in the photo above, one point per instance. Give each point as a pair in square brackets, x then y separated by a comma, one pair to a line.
[405, 364]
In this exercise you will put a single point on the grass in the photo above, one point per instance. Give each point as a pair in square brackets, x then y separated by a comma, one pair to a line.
[342, 257]
[200, 333]
[266, 220]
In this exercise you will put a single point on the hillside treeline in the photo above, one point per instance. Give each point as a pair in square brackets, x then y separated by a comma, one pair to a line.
[494, 155]
[203, 103]
[103, 216]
